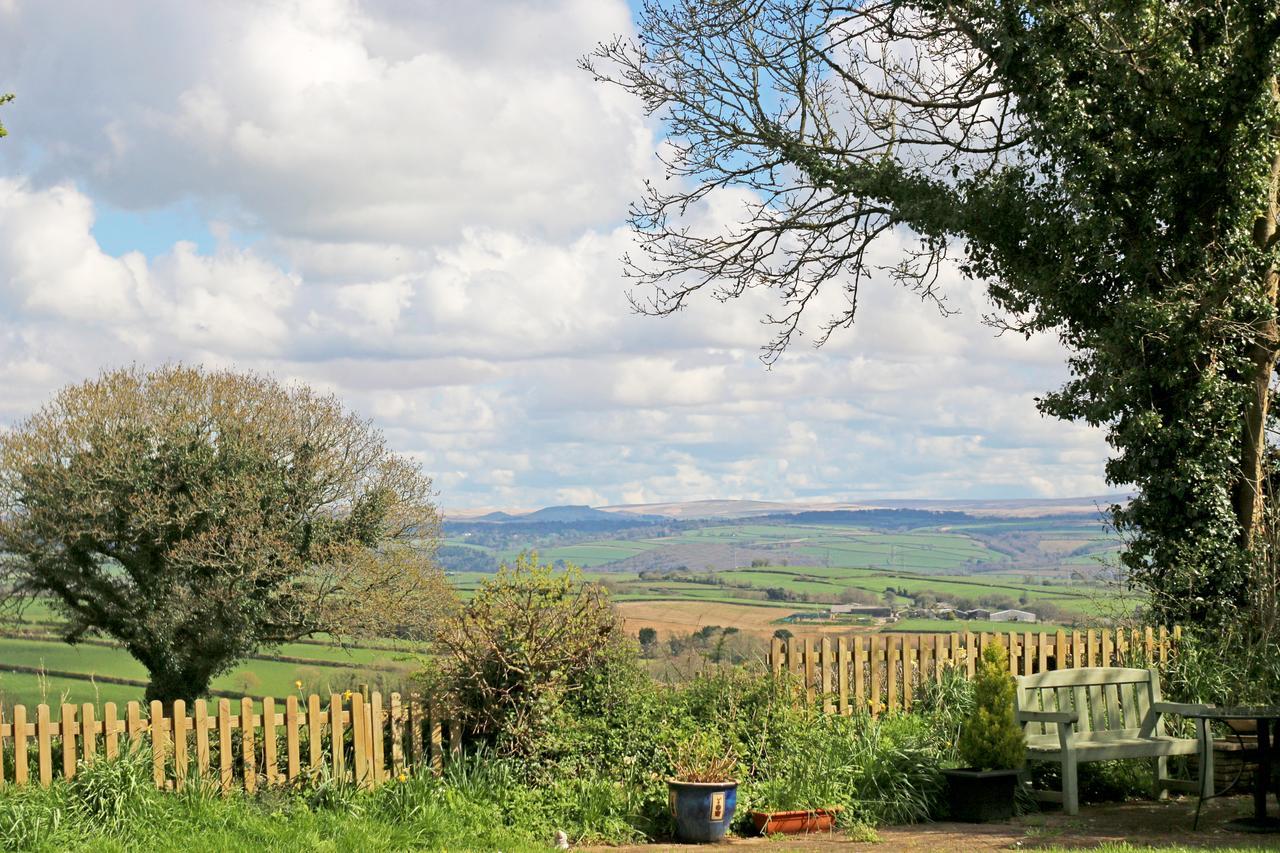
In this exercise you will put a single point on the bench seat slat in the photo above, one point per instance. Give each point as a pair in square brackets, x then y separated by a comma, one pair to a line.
[1088, 748]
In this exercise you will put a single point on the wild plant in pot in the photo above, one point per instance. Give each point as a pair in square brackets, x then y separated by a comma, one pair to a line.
[702, 791]
[991, 747]
[800, 784]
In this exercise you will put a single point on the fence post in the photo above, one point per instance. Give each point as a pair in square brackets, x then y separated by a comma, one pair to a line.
[810, 650]
[88, 734]
[910, 656]
[315, 733]
[859, 679]
[825, 663]
[377, 760]
[155, 726]
[437, 740]
[291, 747]
[873, 658]
[395, 717]
[44, 734]
[775, 656]
[20, 760]
[69, 729]
[893, 653]
[842, 678]
[335, 734]
[455, 740]
[180, 742]
[269, 741]
[110, 730]
[360, 741]
[416, 709]
[201, 718]
[224, 744]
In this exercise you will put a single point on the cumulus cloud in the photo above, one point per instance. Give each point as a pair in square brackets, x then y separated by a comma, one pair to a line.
[417, 206]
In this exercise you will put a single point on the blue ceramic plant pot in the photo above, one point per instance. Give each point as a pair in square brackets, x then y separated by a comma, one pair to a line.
[702, 810]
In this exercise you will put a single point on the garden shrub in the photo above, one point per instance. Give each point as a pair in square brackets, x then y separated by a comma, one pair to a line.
[992, 738]
[530, 637]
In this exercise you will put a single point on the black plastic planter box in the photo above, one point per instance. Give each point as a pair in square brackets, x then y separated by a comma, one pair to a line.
[980, 796]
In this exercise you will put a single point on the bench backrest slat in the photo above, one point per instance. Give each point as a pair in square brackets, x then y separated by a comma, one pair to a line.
[1112, 693]
[1097, 708]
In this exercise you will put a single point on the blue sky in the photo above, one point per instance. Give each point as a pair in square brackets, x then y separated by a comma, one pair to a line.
[418, 206]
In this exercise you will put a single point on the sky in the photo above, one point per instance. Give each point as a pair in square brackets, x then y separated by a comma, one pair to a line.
[419, 206]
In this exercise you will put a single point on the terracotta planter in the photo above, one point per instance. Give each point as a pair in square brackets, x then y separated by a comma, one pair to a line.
[794, 822]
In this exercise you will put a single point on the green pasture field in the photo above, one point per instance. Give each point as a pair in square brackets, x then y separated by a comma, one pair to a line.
[463, 543]
[255, 677]
[786, 577]
[21, 688]
[764, 579]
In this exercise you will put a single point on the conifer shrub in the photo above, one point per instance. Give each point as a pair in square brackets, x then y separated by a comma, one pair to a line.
[992, 738]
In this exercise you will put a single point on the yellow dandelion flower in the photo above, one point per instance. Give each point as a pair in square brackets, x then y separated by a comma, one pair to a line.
[298, 684]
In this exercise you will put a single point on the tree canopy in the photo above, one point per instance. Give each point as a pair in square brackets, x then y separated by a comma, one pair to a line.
[196, 516]
[4, 99]
[1108, 167]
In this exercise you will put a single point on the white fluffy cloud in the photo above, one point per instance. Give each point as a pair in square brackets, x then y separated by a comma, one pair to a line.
[417, 206]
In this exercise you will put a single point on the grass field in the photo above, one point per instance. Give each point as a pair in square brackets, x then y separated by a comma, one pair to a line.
[256, 677]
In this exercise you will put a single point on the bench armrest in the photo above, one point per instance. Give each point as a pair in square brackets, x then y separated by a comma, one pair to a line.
[1158, 709]
[1059, 717]
[1182, 708]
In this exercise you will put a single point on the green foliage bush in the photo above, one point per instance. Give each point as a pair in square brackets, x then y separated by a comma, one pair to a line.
[1224, 667]
[529, 639]
[992, 739]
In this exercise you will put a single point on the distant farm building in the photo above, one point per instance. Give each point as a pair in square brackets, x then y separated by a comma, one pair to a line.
[1012, 616]
[876, 610]
[943, 612]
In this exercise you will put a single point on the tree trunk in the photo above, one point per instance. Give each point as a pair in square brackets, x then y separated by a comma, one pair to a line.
[174, 680]
[1248, 497]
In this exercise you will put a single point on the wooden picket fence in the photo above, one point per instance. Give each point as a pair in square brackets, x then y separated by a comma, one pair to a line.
[354, 738]
[886, 672]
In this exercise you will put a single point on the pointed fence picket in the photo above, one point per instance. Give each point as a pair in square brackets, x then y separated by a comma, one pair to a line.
[237, 746]
[885, 672]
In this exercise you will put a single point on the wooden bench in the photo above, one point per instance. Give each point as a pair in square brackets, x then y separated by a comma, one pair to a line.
[1071, 716]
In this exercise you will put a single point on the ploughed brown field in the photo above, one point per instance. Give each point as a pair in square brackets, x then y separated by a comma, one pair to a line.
[684, 617]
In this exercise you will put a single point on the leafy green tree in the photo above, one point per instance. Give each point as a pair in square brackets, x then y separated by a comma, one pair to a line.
[991, 738]
[197, 516]
[4, 99]
[1108, 167]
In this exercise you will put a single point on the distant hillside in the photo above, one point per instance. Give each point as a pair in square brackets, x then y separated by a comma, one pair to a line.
[1012, 508]
[884, 519]
[568, 514]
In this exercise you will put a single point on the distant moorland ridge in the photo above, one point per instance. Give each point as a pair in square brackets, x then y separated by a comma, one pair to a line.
[1011, 508]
